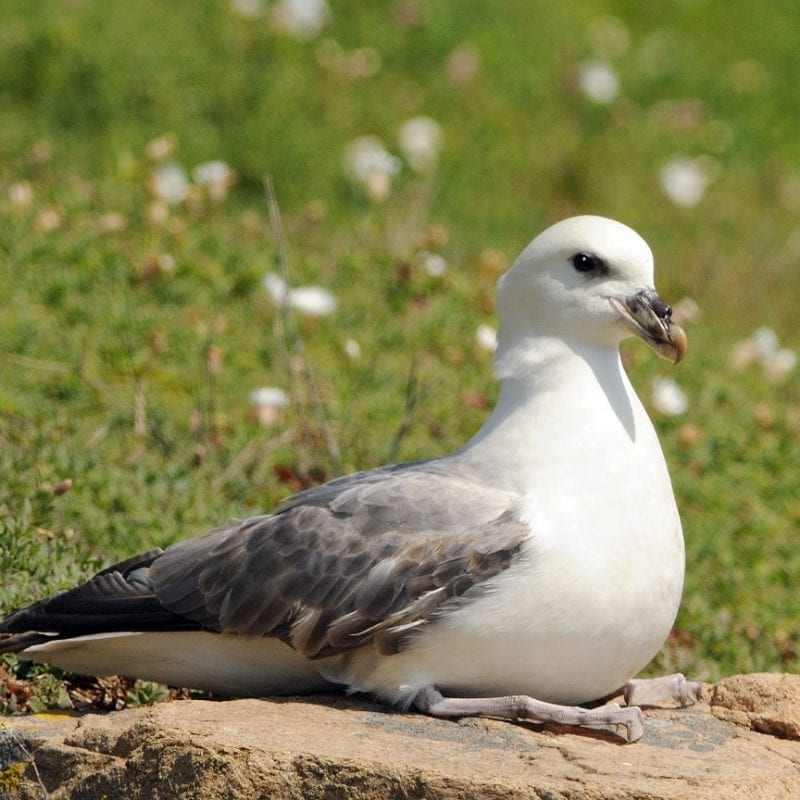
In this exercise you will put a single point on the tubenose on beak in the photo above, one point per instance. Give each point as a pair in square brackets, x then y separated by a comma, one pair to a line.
[650, 318]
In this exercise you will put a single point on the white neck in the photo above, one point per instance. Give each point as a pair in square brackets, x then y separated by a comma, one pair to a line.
[558, 402]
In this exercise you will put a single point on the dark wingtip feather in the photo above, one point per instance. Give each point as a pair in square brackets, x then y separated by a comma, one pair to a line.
[118, 598]
[19, 641]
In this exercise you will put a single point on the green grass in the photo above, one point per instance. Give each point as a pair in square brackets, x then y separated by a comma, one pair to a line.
[90, 326]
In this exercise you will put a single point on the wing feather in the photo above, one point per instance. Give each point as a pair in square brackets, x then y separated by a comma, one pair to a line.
[374, 560]
[371, 557]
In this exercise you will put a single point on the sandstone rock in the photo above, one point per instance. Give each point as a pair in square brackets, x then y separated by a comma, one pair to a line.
[335, 747]
[763, 701]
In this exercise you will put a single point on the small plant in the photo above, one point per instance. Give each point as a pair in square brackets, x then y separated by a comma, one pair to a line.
[49, 692]
[29, 688]
[146, 693]
[26, 687]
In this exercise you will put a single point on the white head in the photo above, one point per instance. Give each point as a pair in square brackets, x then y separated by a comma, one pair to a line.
[585, 281]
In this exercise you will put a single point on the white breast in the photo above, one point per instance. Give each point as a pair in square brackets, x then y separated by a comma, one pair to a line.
[593, 595]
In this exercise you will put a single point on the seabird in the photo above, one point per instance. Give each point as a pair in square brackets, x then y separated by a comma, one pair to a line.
[529, 574]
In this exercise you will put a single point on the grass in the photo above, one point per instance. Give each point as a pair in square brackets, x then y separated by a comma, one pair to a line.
[132, 333]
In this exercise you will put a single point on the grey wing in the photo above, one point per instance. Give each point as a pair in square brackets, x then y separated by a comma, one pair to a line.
[372, 557]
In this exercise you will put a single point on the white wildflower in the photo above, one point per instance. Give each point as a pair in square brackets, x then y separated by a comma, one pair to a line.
[486, 338]
[353, 349]
[780, 364]
[367, 163]
[776, 361]
[169, 183]
[162, 147]
[269, 396]
[684, 180]
[366, 155]
[433, 264]
[276, 286]
[112, 222]
[157, 212]
[311, 300]
[763, 348]
[420, 140]
[269, 402]
[50, 219]
[766, 342]
[302, 19]
[686, 310]
[598, 81]
[216, 176]
[668, 397]
[20, 194]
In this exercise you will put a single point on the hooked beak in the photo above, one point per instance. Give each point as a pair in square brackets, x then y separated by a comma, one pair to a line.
[650, 318]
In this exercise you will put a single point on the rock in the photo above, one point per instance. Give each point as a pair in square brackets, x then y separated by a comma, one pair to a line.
[765, 702]
[336, 747]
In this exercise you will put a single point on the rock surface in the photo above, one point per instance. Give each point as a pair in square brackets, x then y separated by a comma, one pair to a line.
[763, 701]
[336, 747]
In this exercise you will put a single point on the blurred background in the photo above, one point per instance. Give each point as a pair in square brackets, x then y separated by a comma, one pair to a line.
[150, 387]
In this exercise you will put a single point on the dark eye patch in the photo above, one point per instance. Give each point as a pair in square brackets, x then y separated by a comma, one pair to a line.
[586, 262]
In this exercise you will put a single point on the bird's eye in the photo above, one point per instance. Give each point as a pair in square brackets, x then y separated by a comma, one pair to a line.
[584, 262]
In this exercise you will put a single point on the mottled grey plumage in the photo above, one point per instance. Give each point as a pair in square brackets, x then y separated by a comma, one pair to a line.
[367, 557]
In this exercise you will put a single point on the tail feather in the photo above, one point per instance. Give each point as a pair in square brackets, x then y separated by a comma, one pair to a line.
[119, 597]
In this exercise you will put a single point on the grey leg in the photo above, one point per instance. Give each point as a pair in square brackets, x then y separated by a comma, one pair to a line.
[431, 701]
[675, 687]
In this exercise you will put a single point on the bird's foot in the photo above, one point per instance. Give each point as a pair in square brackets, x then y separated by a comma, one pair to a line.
[516, 707]
[648, 691]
